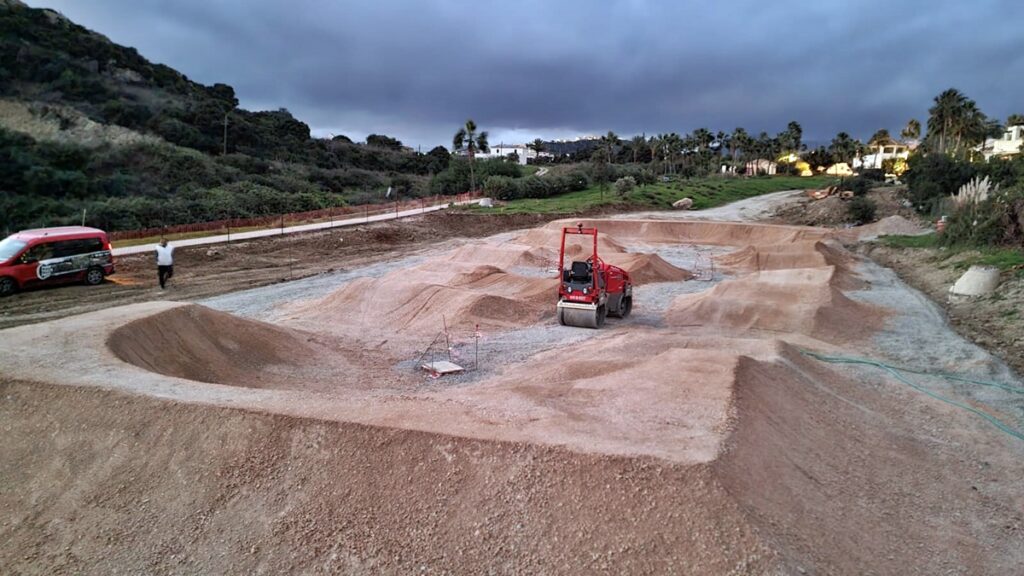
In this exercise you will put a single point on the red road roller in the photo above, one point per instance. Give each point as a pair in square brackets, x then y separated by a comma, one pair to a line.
[590, 290]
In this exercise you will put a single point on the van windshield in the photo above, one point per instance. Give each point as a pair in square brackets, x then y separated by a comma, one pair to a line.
[9, 247]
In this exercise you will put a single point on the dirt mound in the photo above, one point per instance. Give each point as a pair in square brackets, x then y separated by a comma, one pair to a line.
[197, 343]
[801, 254]
[503, 256]
[839, 479]
[640, 392]
[800, 301]
[399, 304]
[773, 257]
[700, 232]
[551, 238]
[888, 226]
[648, 268]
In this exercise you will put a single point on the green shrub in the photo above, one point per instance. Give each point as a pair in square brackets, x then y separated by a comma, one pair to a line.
[872, 174]
[861, 210]
[497, 167]
[625, 185]
[932, 178]
[501, 187]
[859, 185]
[997, 220]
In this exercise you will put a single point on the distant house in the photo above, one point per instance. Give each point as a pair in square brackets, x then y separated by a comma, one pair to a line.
[882, 151]
[520, 151]
[761, 167]
[1007, 145]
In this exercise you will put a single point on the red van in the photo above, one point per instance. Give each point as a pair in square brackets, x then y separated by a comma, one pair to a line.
[53, 256]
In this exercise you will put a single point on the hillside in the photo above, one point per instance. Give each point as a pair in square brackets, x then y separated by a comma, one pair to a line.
[86, 124]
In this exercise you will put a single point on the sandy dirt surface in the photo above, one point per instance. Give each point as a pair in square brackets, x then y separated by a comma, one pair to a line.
[286, 428]
[205, 271]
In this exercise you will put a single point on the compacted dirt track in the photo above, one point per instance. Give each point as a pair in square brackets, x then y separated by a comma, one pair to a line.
[697, 436]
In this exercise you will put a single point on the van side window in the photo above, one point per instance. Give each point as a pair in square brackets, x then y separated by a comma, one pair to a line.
[67, 248]
[39, 252]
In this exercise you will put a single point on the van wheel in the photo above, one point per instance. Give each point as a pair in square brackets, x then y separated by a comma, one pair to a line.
[94, 276]
[7, 286]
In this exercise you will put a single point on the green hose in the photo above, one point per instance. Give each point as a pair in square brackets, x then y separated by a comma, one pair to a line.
[895, 372]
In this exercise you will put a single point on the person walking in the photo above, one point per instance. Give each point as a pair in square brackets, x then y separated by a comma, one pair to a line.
[164, 263]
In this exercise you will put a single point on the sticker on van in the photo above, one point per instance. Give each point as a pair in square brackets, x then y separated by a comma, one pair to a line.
[71, 264]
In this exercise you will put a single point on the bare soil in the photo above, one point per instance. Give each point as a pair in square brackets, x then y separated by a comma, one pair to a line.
[205, 271]
[168, 438]
[832, 211]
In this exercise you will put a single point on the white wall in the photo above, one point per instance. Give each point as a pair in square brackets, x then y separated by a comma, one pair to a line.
[1007, 145]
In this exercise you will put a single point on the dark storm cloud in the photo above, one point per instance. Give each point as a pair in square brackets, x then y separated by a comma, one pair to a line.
[538, 68]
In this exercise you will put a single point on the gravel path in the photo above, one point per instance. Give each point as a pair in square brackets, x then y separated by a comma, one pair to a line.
[748, 210]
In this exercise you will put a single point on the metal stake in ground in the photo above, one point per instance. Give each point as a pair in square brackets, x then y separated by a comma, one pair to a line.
[447, 342]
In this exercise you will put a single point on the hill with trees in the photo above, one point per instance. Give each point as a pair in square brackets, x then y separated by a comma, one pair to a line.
[90, 125]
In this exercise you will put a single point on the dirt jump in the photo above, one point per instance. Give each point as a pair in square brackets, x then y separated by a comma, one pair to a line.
[775, 405]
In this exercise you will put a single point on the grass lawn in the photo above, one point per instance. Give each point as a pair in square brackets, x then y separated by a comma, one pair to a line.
[1002, 258]
[705, 192]
[923, 241]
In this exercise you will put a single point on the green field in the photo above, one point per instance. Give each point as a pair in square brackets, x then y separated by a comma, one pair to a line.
[705, 192]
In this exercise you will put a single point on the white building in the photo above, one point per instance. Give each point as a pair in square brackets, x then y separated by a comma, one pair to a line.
[761, 166]
[521, 152]
[1006, 145]
[890, 150]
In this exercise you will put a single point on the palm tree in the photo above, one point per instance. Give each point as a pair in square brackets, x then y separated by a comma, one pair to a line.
[670, 146]
[638, 143]
[880, 138]
[912, 131]
[740, 141]
[467, 139]
[955, 124]
[843, 148]
[1015, 120]
[611, 140]
[702, 138]
[943, 118]
[791, 140]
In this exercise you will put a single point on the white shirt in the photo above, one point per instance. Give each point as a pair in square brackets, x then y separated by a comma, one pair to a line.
[163, 255]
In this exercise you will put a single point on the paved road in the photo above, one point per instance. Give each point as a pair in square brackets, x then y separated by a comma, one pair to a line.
[287, 229]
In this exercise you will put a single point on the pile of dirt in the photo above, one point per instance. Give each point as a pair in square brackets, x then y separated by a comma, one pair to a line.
[699, 232]
[888, 226]
[839, 478]
[637, 392]
[398, 303]
[801, 301]
[204, 345]
[648, 268]
[506, 255]
[551, 239]
[802, 254]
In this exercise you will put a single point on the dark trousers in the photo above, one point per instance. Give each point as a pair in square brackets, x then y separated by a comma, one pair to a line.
[164, 273]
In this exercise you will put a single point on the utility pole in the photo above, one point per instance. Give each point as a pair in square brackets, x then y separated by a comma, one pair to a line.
[224, 151]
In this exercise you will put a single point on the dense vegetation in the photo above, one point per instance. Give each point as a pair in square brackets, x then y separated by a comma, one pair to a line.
[990, 219]
[706, 192]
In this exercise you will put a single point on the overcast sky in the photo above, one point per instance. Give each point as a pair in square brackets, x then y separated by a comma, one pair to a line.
[522, 69]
